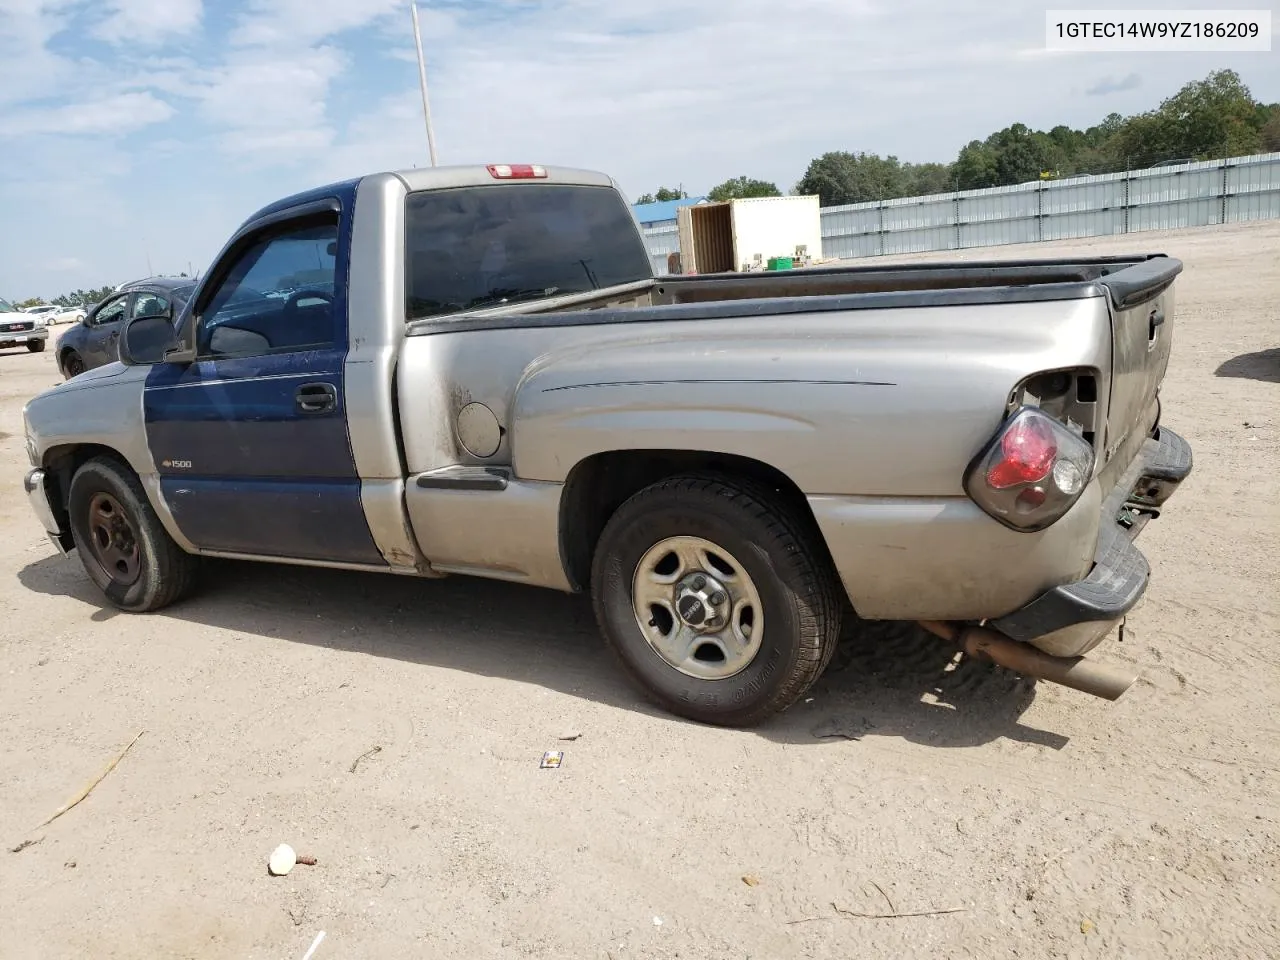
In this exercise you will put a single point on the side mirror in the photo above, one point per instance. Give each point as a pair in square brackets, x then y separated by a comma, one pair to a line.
[146, 340]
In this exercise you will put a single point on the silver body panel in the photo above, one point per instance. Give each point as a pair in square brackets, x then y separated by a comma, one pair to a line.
[874, 415]
[513, 534]
[101, 407]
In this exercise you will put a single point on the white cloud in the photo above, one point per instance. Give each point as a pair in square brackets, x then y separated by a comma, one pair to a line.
[270, 94]
[114, 116]
[270, 106]
[667, 90]
[148, 21]
[300, 22]
[28, 69]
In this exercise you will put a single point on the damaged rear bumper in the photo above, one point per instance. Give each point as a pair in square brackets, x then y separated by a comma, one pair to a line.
[1071, 619]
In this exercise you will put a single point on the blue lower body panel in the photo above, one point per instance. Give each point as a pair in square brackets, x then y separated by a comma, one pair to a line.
[305, 520]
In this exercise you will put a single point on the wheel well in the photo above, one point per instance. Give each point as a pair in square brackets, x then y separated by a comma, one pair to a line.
[597, 486]
[61, 464]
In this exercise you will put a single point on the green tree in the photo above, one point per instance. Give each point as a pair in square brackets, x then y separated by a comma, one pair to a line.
[663, 194]
[1270, 132]
[1206, 120]
[1144, 139]
[923, 179]
[975, 167]
[739, 188]
[31, 302]
[841, 177]
[1020, 154]
[1213, 118]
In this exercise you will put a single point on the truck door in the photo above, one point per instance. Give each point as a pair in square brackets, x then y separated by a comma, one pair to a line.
[250, 439]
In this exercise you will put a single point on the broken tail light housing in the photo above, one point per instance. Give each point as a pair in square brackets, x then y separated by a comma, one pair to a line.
[1031, 472]
[517, 171]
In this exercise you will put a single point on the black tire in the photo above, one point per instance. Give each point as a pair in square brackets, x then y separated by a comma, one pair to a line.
[72, 364]
[35, 346]
[158, 571]
[783, 555]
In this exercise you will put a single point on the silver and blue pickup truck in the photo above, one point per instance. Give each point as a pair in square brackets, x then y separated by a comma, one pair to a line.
[473, 371]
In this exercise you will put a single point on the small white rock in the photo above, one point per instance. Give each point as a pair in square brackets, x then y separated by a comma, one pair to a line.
[657, 921]
[283, 859]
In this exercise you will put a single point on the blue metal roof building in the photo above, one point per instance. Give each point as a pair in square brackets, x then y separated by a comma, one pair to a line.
[664, 211]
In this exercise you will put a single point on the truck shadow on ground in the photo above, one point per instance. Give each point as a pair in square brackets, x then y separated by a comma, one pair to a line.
[1264, 366]
[887, 680]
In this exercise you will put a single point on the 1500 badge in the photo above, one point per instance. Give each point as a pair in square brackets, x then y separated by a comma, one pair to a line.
[177, 464]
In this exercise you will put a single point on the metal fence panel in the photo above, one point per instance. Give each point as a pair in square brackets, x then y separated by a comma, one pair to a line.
[1083, 223]
[920, 240]
[1175, 215]
[916, 212]
[1234, 190]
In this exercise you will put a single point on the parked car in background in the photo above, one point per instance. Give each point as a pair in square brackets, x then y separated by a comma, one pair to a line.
[20, 329]
[45, 314]
[94, 341]
[70, 314]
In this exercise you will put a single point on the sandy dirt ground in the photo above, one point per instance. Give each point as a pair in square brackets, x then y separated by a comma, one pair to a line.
[1056, 825]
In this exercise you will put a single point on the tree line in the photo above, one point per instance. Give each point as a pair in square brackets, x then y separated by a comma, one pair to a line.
[1206, 120]
[85, 299]
[77, 298]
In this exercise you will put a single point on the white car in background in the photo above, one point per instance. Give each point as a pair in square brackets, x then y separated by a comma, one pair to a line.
[69, 315]
[44, 315]
[48, 314]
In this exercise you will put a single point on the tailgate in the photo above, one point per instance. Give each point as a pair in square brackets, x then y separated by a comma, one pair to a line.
[1142, 306]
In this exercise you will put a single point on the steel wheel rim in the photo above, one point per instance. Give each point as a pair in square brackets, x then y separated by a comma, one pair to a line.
[708, 631]
[113, 541]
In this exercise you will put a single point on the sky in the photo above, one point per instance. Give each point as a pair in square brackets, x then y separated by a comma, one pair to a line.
[135, 135]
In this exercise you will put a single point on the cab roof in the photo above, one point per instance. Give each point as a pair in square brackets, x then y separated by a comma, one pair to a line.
[437, 178]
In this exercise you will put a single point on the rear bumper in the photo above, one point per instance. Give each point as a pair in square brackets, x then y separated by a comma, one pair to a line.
[1073, 618]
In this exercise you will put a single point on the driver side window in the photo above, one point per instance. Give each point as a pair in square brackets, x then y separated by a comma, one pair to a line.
[277, 297]
[112, 312]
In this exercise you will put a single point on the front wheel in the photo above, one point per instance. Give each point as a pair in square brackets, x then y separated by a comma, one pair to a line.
[35, 346]
[72, 365]
[123, 546]
[717, 597]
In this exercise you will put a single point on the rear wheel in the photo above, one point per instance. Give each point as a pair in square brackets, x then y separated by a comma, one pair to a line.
[72, 364]
[123, 546]
[715, 598]
[35, 346]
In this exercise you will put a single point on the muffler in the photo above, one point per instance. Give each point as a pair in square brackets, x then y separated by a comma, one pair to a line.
[1088, 676]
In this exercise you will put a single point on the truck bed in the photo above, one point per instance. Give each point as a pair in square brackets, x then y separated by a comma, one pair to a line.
[1125, 280]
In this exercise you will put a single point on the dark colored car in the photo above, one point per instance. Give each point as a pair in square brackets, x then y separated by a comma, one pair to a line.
[94, 341]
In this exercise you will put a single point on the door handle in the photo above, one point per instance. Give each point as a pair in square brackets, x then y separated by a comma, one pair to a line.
[1154, 322]
[316, 397]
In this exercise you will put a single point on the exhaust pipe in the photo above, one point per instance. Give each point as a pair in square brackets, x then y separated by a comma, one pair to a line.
[1088, 676]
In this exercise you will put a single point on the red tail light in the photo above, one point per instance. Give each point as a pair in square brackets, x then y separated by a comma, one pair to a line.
[517, 171]
[1027, 454]
[1031, 472]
